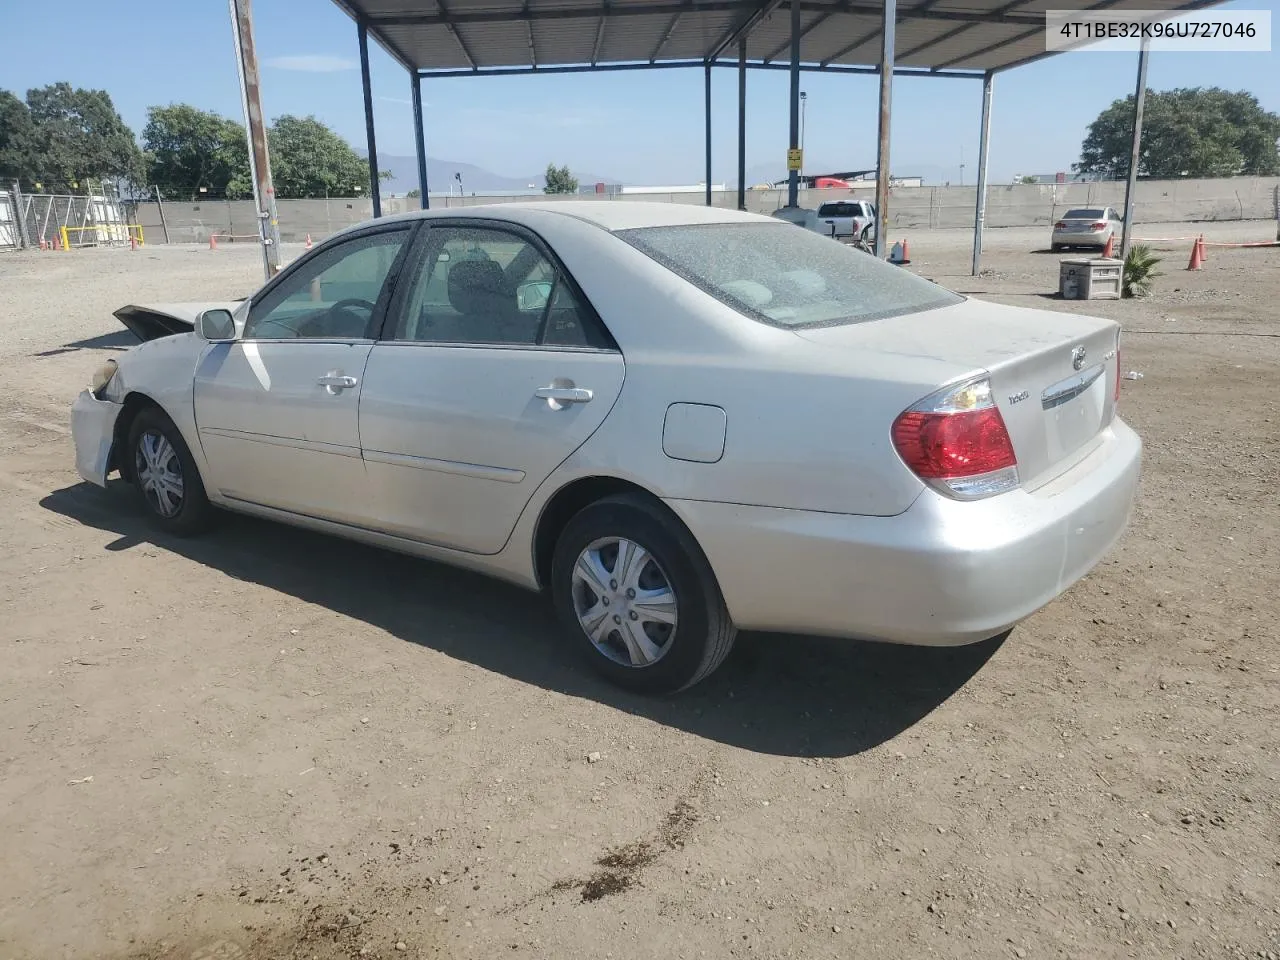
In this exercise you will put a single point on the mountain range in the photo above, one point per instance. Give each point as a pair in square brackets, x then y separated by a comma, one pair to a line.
[478, 180]
[440, 177]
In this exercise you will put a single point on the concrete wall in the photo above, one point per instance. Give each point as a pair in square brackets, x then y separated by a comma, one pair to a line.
[1014, 205]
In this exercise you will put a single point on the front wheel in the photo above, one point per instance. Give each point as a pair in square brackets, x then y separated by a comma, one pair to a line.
[166, 476]
[638, 598]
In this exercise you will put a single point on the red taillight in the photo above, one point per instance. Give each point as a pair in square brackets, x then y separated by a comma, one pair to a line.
[1098, 226]
[957, 441]
[1060, 225]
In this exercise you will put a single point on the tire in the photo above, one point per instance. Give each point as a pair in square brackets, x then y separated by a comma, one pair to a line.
[1055, 247]
[182, 512]
[676, 655]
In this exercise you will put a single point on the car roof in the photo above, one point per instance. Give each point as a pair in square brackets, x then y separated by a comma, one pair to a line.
[608, 214]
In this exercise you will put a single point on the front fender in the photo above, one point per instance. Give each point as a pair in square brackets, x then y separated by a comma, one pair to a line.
[163, 372]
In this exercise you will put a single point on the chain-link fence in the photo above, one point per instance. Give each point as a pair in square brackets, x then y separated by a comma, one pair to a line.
[42, 220]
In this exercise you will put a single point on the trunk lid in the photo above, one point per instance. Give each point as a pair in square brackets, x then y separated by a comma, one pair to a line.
[1080, 226]
[150, 321]
[1052, 374]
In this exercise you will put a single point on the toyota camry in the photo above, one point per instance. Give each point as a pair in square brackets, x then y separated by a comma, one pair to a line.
[678, 422]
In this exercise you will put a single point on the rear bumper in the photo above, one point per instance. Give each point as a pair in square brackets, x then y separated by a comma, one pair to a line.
[942, 573]
[1092, 238]
[93, 424]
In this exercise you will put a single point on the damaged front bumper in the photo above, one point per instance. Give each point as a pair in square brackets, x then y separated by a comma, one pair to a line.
[93, 427]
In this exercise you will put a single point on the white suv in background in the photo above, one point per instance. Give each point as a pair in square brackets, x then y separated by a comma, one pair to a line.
[846, 220]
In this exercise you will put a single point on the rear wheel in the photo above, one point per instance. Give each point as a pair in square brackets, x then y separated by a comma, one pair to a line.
[166, 476]
[637, 597]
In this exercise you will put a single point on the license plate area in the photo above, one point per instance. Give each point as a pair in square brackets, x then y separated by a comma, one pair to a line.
[1073, 410]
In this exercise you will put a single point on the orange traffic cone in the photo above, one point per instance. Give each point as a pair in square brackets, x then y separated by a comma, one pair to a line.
[1196, 257]
[906, 251]
[1110, 249]
[133, 242]
[213, 241]
[308, 241]
[1204, 252]
[42, 243]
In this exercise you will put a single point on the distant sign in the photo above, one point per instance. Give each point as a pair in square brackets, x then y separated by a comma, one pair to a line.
[795, 159]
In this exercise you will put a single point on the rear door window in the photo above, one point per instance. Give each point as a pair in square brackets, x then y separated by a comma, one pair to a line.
[490, 285]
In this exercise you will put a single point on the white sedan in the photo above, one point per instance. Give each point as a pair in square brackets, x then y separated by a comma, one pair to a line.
[677, 421]
[1087, 227]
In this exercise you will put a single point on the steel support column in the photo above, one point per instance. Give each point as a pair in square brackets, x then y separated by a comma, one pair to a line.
[793, 176]
[883, 169]
[419, 140]
[984, 143]
[707, 73]
[742, 124]
[375, 190]
[1139, 101]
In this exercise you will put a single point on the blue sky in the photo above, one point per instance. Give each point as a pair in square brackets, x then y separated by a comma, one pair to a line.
[640, 127]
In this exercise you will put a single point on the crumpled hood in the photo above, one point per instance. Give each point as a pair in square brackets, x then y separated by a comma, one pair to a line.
[150, 321]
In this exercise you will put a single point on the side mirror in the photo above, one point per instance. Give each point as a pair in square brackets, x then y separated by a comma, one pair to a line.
[533, 296]
[217, 326]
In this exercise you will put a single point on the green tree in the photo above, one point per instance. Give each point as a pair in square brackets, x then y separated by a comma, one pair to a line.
[1188, 132]
[310, 160]
[19, 151]
[560, 180]
[79, 136]
[188, 149]
[414, 194]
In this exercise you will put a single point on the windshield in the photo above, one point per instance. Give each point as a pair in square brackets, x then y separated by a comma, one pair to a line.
[787, 276]
[1083, 214]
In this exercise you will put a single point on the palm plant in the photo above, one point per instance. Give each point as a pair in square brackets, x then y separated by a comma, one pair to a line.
[1139, 271]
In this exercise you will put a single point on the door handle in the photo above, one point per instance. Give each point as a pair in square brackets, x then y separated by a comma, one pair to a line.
[335, 383]
[559, 398]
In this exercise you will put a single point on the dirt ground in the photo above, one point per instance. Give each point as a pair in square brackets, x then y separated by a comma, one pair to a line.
[268, 744]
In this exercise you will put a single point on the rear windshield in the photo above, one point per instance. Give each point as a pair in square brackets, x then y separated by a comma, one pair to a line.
[1083, 214]
[787, 276]
[840, 210]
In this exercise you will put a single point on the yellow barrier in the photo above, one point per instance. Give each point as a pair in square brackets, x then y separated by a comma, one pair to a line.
[133, 233]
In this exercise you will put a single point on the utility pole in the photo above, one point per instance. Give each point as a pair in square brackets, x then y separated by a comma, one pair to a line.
[264, 194]
[164, 224]
[1139, 100]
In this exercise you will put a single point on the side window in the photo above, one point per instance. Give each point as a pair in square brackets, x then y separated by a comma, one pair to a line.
[488, 285]
[334, 295]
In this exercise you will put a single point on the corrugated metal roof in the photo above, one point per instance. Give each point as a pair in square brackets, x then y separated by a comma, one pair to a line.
[479, 35]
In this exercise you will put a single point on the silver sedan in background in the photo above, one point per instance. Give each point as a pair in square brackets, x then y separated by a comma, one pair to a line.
[1087, 227]
[676, 421]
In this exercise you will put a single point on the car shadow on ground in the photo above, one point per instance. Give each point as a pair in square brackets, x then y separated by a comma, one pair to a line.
[776, 694]
[118, 340]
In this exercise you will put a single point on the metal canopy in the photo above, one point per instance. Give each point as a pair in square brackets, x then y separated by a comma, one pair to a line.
[932, 36]
[936, 38]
